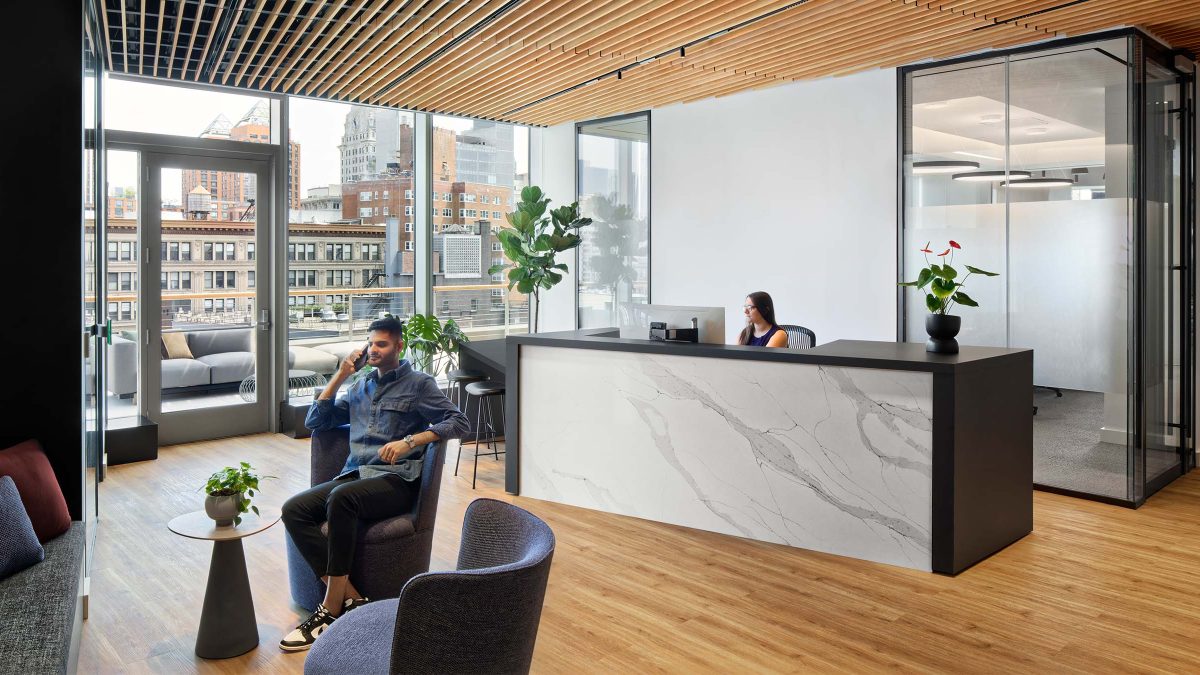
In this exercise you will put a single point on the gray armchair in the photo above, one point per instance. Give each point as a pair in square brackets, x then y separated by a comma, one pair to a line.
[390, 551]
[480, 618]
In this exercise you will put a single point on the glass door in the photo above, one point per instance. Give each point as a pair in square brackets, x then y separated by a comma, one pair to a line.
[93, 299]
[1163, 325]
[205, 326]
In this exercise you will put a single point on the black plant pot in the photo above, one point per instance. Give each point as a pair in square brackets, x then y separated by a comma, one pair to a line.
[942, 328]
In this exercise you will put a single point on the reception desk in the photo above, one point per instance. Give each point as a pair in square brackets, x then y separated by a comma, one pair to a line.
[873, 450]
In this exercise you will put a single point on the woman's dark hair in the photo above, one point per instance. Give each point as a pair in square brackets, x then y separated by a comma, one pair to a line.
[766, 307]
[388, 324]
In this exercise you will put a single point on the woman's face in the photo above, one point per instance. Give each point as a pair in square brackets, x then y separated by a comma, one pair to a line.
[752, 315]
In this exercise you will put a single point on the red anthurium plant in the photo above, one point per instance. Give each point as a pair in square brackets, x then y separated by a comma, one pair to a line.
[944, 291]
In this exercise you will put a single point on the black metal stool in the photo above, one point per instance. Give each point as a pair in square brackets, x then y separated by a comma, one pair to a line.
[457, 379]
[486, 390]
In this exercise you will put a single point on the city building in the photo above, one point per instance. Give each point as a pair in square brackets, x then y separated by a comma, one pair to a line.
[321, 205]
[370, 142]
[232, 193]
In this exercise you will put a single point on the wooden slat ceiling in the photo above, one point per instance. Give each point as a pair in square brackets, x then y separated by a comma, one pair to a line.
[544, 62]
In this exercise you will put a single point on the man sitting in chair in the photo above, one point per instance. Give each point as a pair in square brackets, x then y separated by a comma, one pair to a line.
[393, 413]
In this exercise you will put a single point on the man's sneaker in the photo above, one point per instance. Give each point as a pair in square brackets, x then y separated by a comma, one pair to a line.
[307, 633]
[353, 603]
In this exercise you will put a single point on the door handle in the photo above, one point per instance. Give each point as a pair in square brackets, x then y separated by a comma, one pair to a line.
[264, 319]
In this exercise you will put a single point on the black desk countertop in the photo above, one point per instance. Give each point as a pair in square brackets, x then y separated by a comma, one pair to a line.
[490, 352]
[847, 353]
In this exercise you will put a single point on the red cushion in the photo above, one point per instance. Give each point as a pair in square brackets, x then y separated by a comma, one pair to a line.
[43, 499]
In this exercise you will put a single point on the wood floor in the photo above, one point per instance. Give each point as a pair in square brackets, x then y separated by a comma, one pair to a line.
[1095, 588]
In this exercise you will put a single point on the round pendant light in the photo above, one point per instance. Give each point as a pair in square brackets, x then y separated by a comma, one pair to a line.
[1030, 183]
[943, 166]
[991, 176]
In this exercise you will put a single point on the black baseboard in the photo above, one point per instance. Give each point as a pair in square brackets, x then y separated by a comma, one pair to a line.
[1115, 501]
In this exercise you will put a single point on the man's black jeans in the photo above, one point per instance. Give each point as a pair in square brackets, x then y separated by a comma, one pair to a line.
[343, 502]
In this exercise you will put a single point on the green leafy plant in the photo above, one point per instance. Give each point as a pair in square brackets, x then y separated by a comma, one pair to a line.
[944, 289]
[425, 337]
[534, 240]
[240, 480]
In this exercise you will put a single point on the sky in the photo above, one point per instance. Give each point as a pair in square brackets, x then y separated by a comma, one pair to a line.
[316, 125]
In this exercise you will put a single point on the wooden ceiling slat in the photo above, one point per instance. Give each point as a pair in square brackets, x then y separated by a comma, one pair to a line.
[272, 19]
[483, 54]
[319, 39]
[404, 25]
[734, 50]
[372, 19]
[142, 38]
[162, 10]
[249, 28]
[187, 55]
[175, 37]
[357, 60]
[485, 68]
[279, 63]
[671, 30]
[271, 49]
[124, 40]
[554, 33]
[552, 72]
[549, 61]
[219, 56]
[453, 25]
[108, 43]
[209, 38]
[401, 56]
[867, 34]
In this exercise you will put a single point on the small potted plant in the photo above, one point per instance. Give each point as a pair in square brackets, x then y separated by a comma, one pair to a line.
[230, 491]
[945, 291]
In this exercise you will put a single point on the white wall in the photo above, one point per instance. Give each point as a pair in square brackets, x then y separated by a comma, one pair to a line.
[791, 190]
[552, 168]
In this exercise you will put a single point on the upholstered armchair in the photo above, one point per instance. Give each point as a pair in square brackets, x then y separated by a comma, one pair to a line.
[479, 618]
[390, 551]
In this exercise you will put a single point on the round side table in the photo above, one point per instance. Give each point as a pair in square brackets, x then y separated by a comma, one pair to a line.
[227, 624]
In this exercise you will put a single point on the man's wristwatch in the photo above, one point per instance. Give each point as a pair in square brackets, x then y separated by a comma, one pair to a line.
[411, 442]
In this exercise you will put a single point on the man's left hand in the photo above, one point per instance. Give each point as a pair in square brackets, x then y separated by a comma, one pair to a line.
[393, 451]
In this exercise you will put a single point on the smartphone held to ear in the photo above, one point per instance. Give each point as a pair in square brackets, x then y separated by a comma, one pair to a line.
[362, 358]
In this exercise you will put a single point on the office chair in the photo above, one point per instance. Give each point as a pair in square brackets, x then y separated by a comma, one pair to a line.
[799, 337]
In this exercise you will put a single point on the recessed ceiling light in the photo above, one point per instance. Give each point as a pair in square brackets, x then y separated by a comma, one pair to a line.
[1036, 131]
[943, 166]
[1030, 183]
[990, 176]
[993, 118]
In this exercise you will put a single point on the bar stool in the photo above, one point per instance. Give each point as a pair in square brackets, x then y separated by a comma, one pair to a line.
[484, 391]
[457, 379]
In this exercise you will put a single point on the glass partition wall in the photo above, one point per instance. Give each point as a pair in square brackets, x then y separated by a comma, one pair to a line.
[1065, 169]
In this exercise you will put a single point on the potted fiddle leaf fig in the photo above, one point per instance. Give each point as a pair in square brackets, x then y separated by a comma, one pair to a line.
[945, 291]
[230, 492]
[534, 240]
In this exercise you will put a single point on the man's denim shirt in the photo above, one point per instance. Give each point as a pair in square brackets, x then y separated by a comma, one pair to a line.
[385, 409]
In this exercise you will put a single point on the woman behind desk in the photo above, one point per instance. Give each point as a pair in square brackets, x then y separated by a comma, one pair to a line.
[761, 329]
